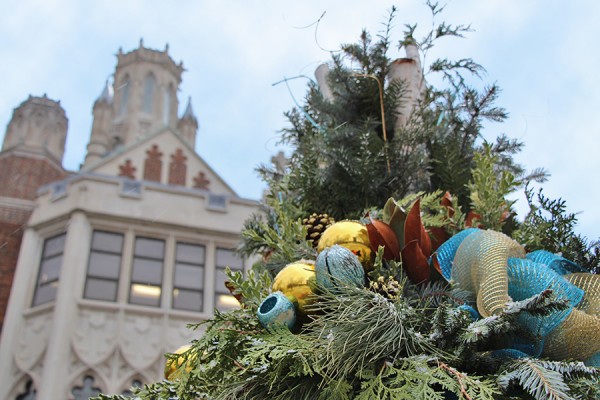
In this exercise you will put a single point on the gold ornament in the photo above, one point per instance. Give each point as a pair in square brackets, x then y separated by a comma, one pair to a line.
[296, 282]
[171, 366]
[352, 235]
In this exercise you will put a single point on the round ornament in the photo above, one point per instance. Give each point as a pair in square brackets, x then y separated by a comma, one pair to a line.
[352, 235]
[296, 281]
[276, 309]
[171, 366]
[336, 265]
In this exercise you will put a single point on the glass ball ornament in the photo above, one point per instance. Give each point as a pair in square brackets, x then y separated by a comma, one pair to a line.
[296, 281]
[352, 235]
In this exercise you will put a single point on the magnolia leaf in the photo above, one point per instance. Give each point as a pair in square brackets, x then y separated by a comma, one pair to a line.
[415, 263]
[381, 234]
[413, 224]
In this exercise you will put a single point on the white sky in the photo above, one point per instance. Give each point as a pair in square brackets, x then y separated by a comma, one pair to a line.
[542, 53]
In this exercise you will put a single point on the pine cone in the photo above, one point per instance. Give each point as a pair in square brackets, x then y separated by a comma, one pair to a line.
[316, 225]
[387, 287]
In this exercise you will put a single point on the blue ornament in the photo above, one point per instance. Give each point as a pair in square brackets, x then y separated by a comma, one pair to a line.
[276, 309]
[337, 266]
[472, 312]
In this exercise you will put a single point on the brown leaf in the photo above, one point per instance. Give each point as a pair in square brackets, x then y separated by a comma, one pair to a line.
[439, 236]
[425, 242]
[381, 234]
[413, 224]
[415, 263]
[232, 289]
[471, 215]
[447, 202]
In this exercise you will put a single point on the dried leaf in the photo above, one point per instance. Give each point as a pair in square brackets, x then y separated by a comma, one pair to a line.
[413, 224]
[381, 234]
[415, 263]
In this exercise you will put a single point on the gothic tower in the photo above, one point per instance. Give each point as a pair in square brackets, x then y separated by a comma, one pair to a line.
[142, 100]
[31, 156]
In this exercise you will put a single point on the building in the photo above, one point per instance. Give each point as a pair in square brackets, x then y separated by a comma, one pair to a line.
[112, 261]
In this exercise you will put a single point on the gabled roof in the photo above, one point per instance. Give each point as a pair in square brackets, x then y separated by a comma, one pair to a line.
[167, 139]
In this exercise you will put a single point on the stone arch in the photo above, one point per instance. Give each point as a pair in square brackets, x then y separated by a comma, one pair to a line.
[24, 389]
[87, 384]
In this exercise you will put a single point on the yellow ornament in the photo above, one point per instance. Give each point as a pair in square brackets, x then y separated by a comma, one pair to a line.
[172, 365]
[296, 282]
[352, 235]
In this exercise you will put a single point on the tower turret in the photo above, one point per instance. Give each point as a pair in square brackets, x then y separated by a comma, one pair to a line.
[188, 124]
[145, 99]
[101, 141]
[38, 125]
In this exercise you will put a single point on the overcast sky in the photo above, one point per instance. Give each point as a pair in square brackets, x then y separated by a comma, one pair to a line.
[542, 53]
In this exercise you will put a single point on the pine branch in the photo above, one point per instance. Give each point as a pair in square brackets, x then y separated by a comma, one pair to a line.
[537, 380]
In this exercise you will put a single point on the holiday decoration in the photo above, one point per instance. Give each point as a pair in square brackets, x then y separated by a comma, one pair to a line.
[296, 281]
[277, 309]
[496, 270]
[506, 312]
[336, 265]
[352, 235]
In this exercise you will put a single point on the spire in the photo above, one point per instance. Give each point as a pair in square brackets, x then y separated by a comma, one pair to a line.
[189, 113]
[106, 95]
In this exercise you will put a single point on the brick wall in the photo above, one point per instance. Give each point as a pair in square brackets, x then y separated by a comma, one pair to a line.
[10, 242]
[20, 177]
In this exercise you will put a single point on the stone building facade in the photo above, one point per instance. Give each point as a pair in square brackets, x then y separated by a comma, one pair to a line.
[116, 258]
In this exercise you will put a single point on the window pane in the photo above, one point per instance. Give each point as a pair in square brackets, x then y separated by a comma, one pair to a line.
[190, 253]
[187, 300]
[50, 269]
[147, 295]
[110, 242]
[187, 276]
[100, 289]
[54, 245]
[45, 293]
[227, 258]
[151, 248]
[220, 281]
[226, 302]
[104, 265]
[147, 271]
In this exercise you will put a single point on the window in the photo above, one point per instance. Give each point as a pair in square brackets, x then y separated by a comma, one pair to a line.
[225, 258]
[104, 266]
[149, 84]
[87, 390]
[167, 105]
[123, 91]
[147, 272]
[188, 279]
[49, 273]
[29, 393]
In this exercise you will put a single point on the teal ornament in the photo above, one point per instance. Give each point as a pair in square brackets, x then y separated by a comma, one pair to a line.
[337, 266]
[276, 309]
[472, 312]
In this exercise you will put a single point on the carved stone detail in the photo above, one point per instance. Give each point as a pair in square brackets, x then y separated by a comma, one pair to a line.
[141, 340]
[33, 340]
[95, 336]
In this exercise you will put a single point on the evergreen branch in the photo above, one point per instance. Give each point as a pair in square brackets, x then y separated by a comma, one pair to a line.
[537, 380]
[544, 303]
[362, 328]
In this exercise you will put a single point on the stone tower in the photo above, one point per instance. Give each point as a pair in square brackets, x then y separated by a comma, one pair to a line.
[31, 156]
[38, 125]
[142, 100]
